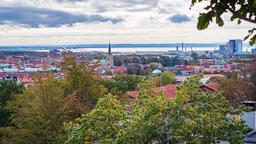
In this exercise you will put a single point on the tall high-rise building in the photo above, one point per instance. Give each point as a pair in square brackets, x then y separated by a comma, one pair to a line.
[177, 49]
[235, 45]
[223, 49]
[254, 51]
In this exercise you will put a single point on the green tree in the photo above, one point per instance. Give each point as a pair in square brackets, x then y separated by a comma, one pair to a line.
[241, 10]
[146, 123]
[134, 69]
[195, 56]
[38, 114]
[82, 82]
[117, 60]
[101, 125]
[127, 82]
[198, 117]
[8, 90]
[194, 116]
[167, 78]
[154, 65]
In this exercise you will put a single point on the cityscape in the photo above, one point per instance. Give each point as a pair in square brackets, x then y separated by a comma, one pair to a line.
[22, 66]
[123, 73]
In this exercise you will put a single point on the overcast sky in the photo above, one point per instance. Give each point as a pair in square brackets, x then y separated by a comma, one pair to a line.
[24, 22]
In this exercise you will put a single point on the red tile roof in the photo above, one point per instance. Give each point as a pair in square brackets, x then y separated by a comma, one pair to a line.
[168, 91]
[120, 69]
[27, 80]
[213, 86]
[213, 75]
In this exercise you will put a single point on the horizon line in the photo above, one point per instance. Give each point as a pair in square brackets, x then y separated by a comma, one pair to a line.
[34, 45]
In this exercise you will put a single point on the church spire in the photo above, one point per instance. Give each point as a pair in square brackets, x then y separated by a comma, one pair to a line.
[109, 55]
[109, 49]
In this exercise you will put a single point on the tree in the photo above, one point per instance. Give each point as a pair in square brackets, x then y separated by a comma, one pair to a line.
[117, 60]
[154, 65]
[241, 10]
[146, 123]
[241, 85]
[134, 69]
[203, 56]
[82, 82]
[110, 123]
[167, 78]
[199, 117]
[195, 56]
[156, 80]
[194, 116]
[38, 114]
[124, 82]
[8, 90]
[166, 61]
[101, 125]
[136, 59]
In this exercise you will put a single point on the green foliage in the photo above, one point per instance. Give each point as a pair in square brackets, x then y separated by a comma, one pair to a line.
[195, 56]
[134, 62]
[101, 125]
[154, 65]
[167, 78]
[146, 121]
[127, 82]
[8, 90]
[167, 61]
[122, 83]
[135, 69]
[200, 117]
[38, 114]
[241, 10]
[82, 82]
[194, 117]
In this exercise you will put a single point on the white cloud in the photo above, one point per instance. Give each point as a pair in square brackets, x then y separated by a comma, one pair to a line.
[144, 21]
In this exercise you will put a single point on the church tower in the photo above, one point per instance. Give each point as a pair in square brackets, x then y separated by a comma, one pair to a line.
[109, 49]
[109, 56]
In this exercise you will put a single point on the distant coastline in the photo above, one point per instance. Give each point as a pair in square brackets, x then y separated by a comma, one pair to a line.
[120, 47]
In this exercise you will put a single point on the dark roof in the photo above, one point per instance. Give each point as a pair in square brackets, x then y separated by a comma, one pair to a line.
[250, 137]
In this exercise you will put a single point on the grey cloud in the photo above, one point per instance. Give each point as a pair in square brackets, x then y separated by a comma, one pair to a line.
[71, 0]
[128, 5]
[146, 2]
[179, 18]
[36, 17]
